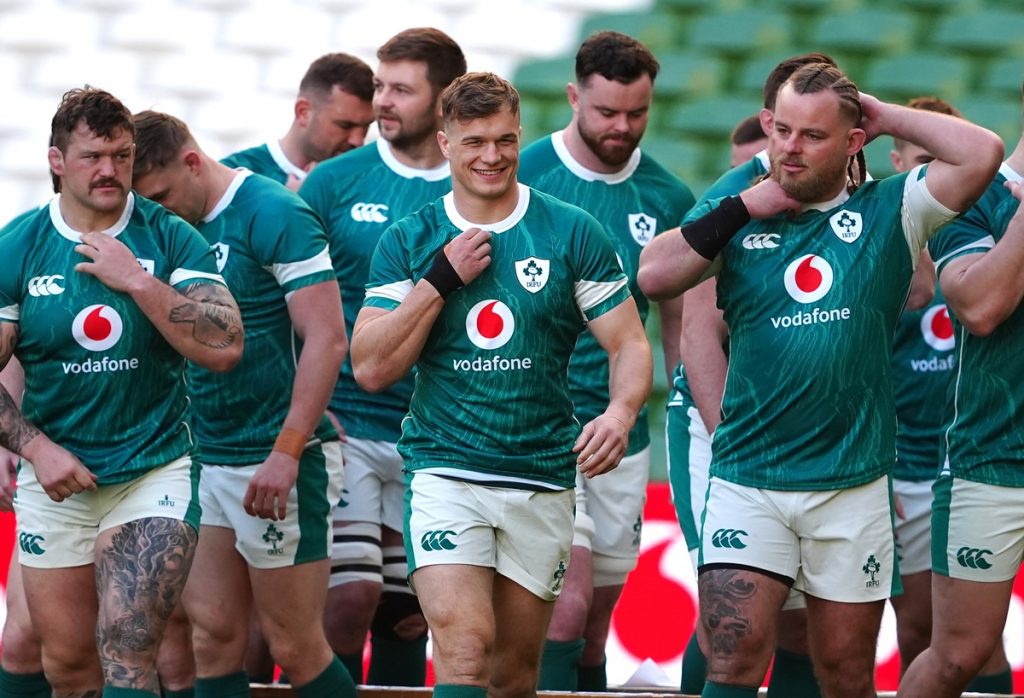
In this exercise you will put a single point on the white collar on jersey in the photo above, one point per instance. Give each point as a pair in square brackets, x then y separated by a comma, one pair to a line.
[75, 236]
[1010, 174]
[766, 161]
[229, 195]
[501, 226]
[840, 199]
[586, 174]
[435, 174]
[286, 165]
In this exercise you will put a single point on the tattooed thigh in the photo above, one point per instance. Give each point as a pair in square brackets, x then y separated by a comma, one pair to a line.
[737, 606]
[140, 576]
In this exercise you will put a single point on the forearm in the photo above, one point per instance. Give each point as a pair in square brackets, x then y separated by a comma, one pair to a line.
[15, 431]
[669, 312]
[629, 383]
[315, 377]
[203, 324]
[12, 378]
[669, 266]
[386, 345]
[705, 373]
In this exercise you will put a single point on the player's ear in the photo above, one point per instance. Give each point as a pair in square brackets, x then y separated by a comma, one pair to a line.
[573, 93]
[56, 160]
[767, 119]
[443, 143]
[302, 109]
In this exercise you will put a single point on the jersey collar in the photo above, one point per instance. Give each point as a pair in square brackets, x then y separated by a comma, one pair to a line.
[435, 174]
[585, 173]
[1010, 174]
[501, 226]
[74, 236]
[839, 200]
[229, 195]
[286, 165]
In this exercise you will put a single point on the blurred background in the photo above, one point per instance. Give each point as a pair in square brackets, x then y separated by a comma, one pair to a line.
[230, 68]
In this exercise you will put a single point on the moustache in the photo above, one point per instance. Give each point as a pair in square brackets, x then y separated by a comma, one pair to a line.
[106, 183]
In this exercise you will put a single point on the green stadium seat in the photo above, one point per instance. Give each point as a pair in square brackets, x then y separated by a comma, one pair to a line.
[545, 78]
[987, 32]
[740, 33]
[685, 75]
[870, 31]
[658, 30]
[1004, 77]
[902, 77]
[713, 118]
[877, 155]
[1002, 115]
[687, 7]
[927, 6]
[682, 156]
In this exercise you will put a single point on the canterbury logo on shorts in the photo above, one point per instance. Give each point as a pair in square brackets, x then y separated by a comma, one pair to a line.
[728, 538]
[438, 540]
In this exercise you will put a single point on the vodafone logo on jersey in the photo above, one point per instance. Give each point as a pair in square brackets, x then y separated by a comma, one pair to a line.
[937, 328]
[808, 278]
[97, 328]
[490, 324]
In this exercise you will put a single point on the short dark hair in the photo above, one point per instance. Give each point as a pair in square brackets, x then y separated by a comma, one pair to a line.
[477, 96]
[748, 131]
[443, 57]
[159, 139]
[338, 70]
[782, 72]
[102, 112]
[614, 56]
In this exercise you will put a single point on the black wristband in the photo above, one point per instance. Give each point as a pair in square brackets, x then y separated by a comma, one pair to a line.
[710, 233]
[442, 275]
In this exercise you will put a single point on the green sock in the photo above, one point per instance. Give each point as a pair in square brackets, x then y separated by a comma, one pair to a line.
[230, 686]
[333, 682]
[592, 679]
[181, 693]
[354, 664]
[1000, 684]
[454, 690]
[695, 668]
[118, 692]
[24, 685]
[559, 664]
[395, 662]
[721, 690]
[792, 675]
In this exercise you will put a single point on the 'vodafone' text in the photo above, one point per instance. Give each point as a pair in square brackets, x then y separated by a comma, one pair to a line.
[815, 317]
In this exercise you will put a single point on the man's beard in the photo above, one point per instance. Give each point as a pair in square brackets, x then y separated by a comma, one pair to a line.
[813, 185]
[611, 155]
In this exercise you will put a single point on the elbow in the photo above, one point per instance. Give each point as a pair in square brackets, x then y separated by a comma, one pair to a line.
[225, 359]
[985, 161]
[370, 378]
[981, 322]
[653, 284]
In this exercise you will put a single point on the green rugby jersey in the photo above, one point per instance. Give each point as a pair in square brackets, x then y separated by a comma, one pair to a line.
[100, 380]
[267, 160]
[812, 303]
[732, 182]
[358, 195]
[984, 437]
[923, 362]
[640, 201]
[492, 400]
[268, 245]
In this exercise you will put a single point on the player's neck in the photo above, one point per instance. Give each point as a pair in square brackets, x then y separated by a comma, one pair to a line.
[422, 155]
[292, 149]
[483, 211]
[582, 153]
[216, 180]
[88, 220]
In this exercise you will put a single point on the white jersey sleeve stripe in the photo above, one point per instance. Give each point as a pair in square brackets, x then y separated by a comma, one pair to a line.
[287, 272]
[591, 293]
[981, 245]
[179, 275]
[396, 291]
[922, 213]
[11, 312]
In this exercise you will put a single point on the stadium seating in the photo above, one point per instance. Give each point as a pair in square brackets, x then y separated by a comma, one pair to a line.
[910, 75]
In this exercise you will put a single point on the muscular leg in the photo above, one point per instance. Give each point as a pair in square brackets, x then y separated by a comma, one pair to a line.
[792, 672]
[63, 606]
[599, 622]
[350, 607]
[174, 661]
[738, 614]
[913, 617]
[520, 619]
[21, 663]
[141, 570]
[967, 624]
[842, 638]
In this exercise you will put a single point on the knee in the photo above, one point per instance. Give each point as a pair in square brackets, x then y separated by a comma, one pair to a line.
[399, 617]
[214, 628]
[72, 667]
[21, 651]
[959, 662]
[846, 675]
[464, 654]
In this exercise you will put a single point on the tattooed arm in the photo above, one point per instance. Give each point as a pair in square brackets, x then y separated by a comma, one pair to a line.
[203, 323]
[60, 473]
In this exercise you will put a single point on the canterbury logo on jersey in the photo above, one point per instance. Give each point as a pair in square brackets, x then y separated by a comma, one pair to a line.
[728, 538]
[369, 213]
[973, 558]
[46, 285]
[438, 540]
[30, 543]
[761, 241]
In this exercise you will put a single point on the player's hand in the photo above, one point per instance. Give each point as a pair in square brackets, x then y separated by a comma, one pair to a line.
[767, 198]
[873, 119]
[469, 253]
[342, 436]
[1016, 189]
[110, 261]
[267, 494]
[601, 445]
[8, 478]
[59, 473]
